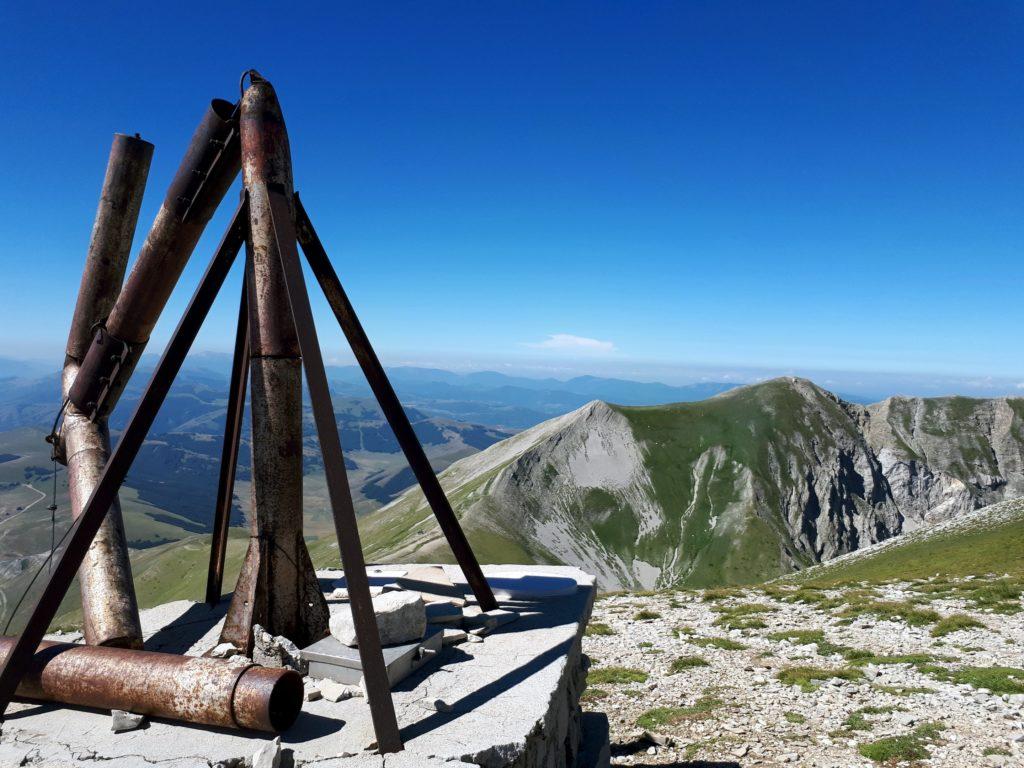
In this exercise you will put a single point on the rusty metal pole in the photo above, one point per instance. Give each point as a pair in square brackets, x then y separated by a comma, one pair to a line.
[194, 689]
[110, 613]
[277, 586]
[207, 171]
[229, 453]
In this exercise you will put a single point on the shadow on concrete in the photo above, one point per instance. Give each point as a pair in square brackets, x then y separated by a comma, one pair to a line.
[186, 630]
[487, 692]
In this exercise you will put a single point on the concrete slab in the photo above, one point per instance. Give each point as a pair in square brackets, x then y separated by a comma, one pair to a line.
[512, 700]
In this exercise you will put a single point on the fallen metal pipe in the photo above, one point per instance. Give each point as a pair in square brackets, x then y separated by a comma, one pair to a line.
[109, 608]
[190, 688]
[210, 166]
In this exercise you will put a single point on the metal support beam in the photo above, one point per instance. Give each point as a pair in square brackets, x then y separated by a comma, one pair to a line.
[378, 690]
[229, 453]
[18, 659]
[389, 403]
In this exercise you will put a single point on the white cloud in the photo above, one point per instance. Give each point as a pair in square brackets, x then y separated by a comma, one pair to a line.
[566, 342]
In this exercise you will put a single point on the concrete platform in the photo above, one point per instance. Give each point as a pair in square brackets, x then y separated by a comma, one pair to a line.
[513, 698]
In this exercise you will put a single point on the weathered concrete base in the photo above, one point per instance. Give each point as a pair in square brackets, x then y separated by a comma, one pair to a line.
[511, 700]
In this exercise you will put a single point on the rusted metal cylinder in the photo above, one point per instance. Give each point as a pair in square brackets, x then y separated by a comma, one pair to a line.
[112, 235]
[110, 612]
[207, 171]
[109, 608]
[194, 689]
[279, 576]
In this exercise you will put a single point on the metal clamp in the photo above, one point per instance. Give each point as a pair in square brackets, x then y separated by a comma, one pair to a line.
[98, 373]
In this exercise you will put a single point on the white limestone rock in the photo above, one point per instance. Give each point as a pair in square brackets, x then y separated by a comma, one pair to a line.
[335, 691]
[401, 618]
[269, 756]
[223, 651]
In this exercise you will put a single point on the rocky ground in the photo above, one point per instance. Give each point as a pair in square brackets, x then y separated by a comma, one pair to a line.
[910, 673]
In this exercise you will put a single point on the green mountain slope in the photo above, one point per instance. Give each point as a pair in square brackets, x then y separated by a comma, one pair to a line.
[740, 488]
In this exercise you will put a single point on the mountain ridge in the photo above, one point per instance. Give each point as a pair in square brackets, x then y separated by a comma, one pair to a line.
[747, 485]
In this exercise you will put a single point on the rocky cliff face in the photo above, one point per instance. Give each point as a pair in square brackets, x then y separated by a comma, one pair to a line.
[744, 486]
[945, 456]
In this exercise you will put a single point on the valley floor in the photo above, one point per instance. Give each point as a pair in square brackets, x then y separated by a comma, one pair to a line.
[914, 673]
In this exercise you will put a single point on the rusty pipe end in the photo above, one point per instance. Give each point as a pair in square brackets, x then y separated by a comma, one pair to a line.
[266, 154]
[132, 142]
[267, 699]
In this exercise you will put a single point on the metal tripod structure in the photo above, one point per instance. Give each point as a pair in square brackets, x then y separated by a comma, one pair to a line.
[274, 313]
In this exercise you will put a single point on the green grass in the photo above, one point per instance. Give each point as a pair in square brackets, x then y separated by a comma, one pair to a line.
[805, 676]
[900, 749]
[1003, 751]
[662, 716]
[597, 629]
[646, 615]
[794, 717]
[905, 611]
[742, 616]
[954, 623]
[995, 679]
[825, 647]
[684, 663]
[594, 694]
[857, 720]
[724, 643]
[616, 676]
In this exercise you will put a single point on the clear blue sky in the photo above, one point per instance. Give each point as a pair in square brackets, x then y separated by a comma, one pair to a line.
[763, 185]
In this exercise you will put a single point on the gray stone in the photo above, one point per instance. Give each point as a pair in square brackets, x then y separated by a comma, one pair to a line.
[335, 691]
[276, 651]
[121, 721]
[489, 620]
[453, 636]
[401, 618]
[269, 756]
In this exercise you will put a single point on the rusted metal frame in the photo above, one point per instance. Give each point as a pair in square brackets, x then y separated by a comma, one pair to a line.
[378, 690]
[84, 529]
[391, 406]
[229, 453]
[189, 688]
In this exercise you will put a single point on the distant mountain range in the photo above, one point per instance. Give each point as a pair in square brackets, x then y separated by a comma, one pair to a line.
[750, 484]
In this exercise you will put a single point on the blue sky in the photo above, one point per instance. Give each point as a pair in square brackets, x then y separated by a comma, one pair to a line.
[649, 189]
